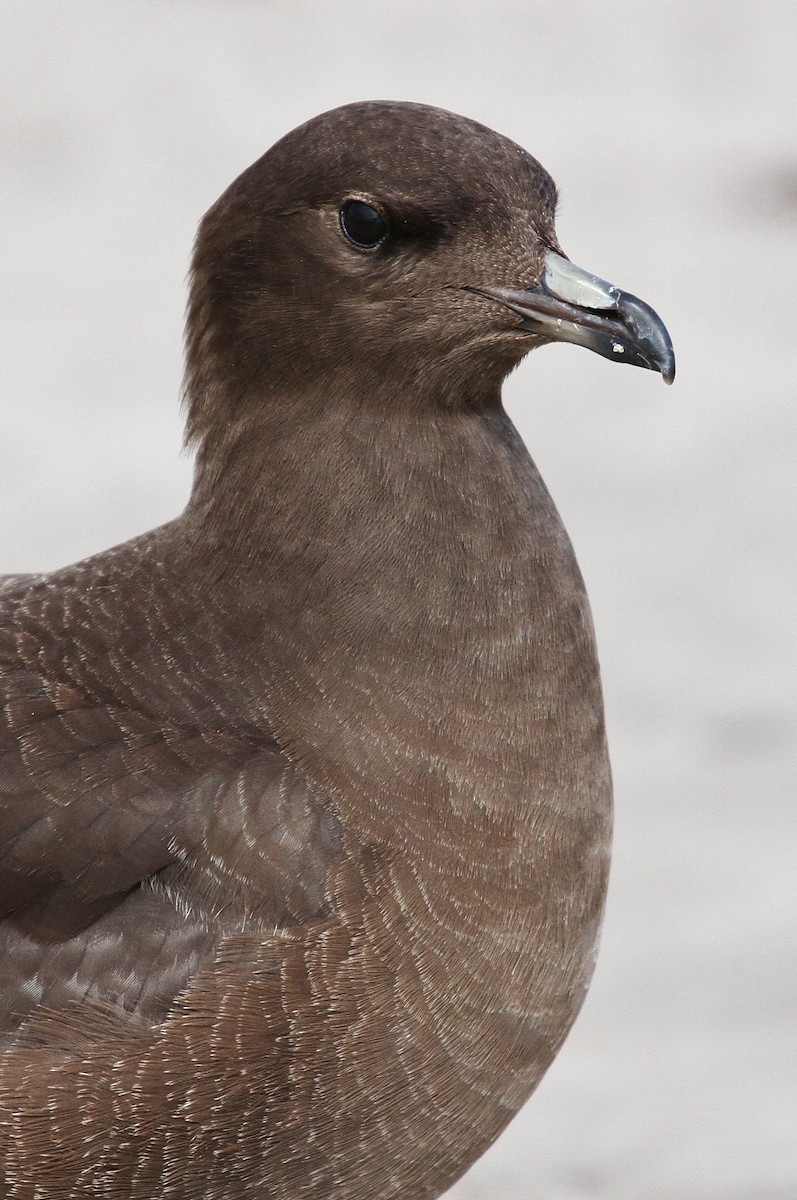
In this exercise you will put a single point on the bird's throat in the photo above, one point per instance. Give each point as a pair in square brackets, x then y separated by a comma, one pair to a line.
[413, 648]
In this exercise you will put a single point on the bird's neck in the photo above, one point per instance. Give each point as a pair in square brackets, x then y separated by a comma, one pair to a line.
[414, 616]
[413, 602]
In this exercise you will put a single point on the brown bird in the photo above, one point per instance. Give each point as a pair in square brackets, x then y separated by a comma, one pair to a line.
[304, 796]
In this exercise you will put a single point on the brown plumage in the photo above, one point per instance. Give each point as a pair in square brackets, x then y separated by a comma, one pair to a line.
[304, 796]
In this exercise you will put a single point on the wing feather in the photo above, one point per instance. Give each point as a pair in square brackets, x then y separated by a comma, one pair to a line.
[138, 829]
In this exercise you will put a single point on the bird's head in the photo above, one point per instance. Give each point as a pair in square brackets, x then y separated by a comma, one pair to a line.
[395, 253]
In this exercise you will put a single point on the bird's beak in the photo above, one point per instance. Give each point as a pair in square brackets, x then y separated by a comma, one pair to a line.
[570, 305]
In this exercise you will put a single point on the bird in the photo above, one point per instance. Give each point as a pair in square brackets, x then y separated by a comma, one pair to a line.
[305, 799]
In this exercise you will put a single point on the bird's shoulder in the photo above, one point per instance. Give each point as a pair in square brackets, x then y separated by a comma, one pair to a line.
[146, 810]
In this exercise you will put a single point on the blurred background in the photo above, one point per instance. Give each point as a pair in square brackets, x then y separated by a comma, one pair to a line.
[672, 132]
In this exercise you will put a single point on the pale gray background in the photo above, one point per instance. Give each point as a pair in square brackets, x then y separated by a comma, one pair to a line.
[672, 131]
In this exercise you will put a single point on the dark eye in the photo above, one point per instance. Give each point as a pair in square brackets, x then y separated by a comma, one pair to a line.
[362, 224]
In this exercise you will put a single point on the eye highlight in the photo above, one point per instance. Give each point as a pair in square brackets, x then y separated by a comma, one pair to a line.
[362, 225]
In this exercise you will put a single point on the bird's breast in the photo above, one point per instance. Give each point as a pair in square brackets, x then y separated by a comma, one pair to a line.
[430, 664]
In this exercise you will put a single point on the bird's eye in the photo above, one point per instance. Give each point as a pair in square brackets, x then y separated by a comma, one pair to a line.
[362, 224]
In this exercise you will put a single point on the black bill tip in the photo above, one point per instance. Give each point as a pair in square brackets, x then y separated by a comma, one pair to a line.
[647, 342]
